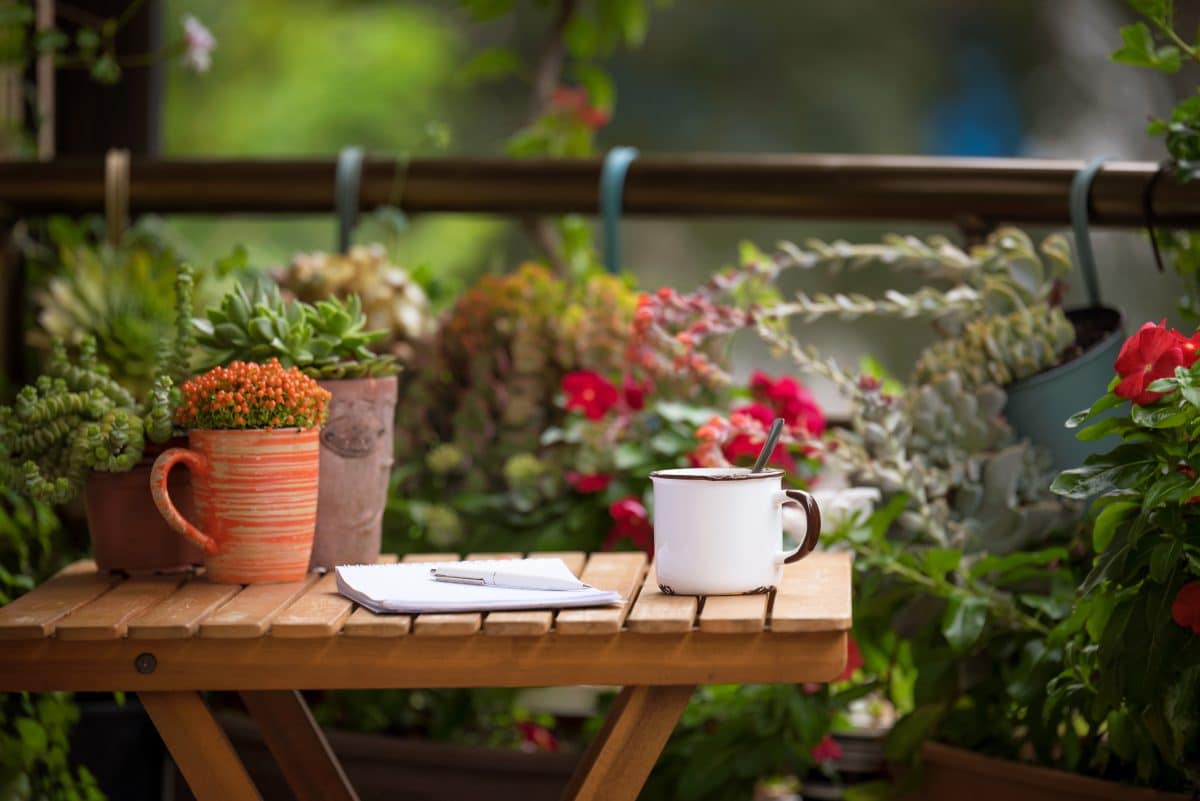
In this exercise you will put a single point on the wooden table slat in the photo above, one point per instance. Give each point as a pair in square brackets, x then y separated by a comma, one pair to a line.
[36, 613]
[321, 611]
[532, 622]
[455, 624]
[250, 612]
[107, 617]
[365, 623]
[812, 595]
[734, 613]
[179, 616]
[620, 572]
[656, 613]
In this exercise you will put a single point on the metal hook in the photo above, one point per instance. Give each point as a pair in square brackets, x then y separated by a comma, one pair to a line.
[1081, 194]
[1148, 209]
[612, 184]
[347, 181]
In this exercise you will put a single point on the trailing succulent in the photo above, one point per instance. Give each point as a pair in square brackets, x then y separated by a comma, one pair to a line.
[73, 420]
[77, 418]
[325, 340]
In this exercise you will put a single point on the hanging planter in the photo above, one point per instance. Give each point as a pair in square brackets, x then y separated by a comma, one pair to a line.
[1039, 406]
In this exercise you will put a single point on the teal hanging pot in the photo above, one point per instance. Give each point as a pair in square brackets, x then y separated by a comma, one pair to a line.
[1038, 406]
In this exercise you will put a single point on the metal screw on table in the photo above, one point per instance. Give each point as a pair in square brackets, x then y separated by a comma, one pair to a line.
[145, 663]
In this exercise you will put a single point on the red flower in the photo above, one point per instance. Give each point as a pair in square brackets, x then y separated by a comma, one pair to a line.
[790, 400]
[1152, 353]
[588, 483]
[635, 393]
[854, 660]
[630, 522]
[1186, 609]
[827, 749]
[569, 98]
[535, 737]
[593, 117]
[590, 393]
[742, 446]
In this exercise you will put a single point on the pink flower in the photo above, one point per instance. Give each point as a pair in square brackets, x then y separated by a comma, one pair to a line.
[1186, 609]
[588, 483]
[827, 749]
[630, 522]
[590, 393]
[1152, 353]
[198, 44]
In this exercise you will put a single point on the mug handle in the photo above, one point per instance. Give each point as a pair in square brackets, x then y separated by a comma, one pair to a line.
[812, 531]
[198, 465]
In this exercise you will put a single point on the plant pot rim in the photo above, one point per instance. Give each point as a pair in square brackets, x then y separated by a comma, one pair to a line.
[364, 378]
[1097, 349]
[286, 430]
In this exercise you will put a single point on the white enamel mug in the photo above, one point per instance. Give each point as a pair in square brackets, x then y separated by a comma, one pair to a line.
[719, 531]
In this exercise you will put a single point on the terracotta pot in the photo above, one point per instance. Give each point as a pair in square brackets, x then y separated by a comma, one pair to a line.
[952, 774]
[128, 534]
[256, 501]
[382, 767]
[356, 460]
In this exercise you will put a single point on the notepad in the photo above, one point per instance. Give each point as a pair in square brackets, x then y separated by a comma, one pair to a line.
[409, 588]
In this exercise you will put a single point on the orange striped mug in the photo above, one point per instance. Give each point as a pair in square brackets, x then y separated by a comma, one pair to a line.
[255, 495]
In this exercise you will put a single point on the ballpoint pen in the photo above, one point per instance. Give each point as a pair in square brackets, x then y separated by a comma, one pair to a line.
[496, 578]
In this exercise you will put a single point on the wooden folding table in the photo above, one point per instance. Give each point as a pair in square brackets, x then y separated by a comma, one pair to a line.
[169, 638]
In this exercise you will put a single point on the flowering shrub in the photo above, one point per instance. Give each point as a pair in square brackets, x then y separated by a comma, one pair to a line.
[1133, 639]
[246, 395]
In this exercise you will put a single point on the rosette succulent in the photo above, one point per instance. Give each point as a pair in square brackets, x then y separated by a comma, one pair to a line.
[327, 340]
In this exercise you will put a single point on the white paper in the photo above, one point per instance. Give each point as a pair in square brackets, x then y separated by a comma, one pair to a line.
[408, 587]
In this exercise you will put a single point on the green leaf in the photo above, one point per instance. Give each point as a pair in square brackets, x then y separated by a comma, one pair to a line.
[484, 10]
[599, 85]
[1164, 558]
[1000, 566]
[940, 561]
[490, 65]
[1102, 405]
[1107, 426]
[963, 621]
[1123, 467]
[1160, 416]
[1108, 520]
[1139, 50]
[912, 730]
[33, 735]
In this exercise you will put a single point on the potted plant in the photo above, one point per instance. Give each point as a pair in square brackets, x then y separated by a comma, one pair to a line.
[254, 452]
[1133, 639]
[325, 341]
[77, 430]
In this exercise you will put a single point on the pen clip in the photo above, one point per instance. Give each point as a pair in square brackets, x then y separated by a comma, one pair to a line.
[456, 579]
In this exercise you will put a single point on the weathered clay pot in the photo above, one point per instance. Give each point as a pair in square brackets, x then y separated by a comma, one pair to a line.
[128, 533]
[256, 501]
[356, 460]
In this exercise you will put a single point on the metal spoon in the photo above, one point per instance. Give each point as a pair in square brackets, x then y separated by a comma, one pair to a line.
[769, 446]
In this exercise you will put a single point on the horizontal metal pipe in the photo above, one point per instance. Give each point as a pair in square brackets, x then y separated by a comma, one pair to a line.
[967, 191]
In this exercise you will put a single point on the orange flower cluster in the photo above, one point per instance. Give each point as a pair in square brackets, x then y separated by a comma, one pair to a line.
[246, 395]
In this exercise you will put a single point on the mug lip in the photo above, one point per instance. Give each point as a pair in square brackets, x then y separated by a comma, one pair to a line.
[715, 474]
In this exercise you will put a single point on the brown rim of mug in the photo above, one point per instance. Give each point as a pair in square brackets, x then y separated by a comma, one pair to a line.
[674, 474]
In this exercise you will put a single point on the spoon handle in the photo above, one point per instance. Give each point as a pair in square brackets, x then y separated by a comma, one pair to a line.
[769, 446]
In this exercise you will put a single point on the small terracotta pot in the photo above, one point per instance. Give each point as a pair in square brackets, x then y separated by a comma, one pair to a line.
[356, 460]
[128, 534]
[256, 501]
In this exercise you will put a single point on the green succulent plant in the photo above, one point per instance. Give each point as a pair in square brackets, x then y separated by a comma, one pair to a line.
[74, 419]
[324, 341]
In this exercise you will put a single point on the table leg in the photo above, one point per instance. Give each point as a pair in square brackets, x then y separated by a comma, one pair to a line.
[620, 758]
[199, 746]
[298, 745]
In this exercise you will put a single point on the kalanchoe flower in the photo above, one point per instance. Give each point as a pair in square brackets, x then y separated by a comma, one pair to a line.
[1186, 609]
[246, 395]
[590, 393]
[588, 483]
[630, 522]
[198, 44]
[635, 393]
[827, 750]
[1152, 353]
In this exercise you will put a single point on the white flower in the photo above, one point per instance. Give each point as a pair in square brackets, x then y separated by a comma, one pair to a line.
[198, 43]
